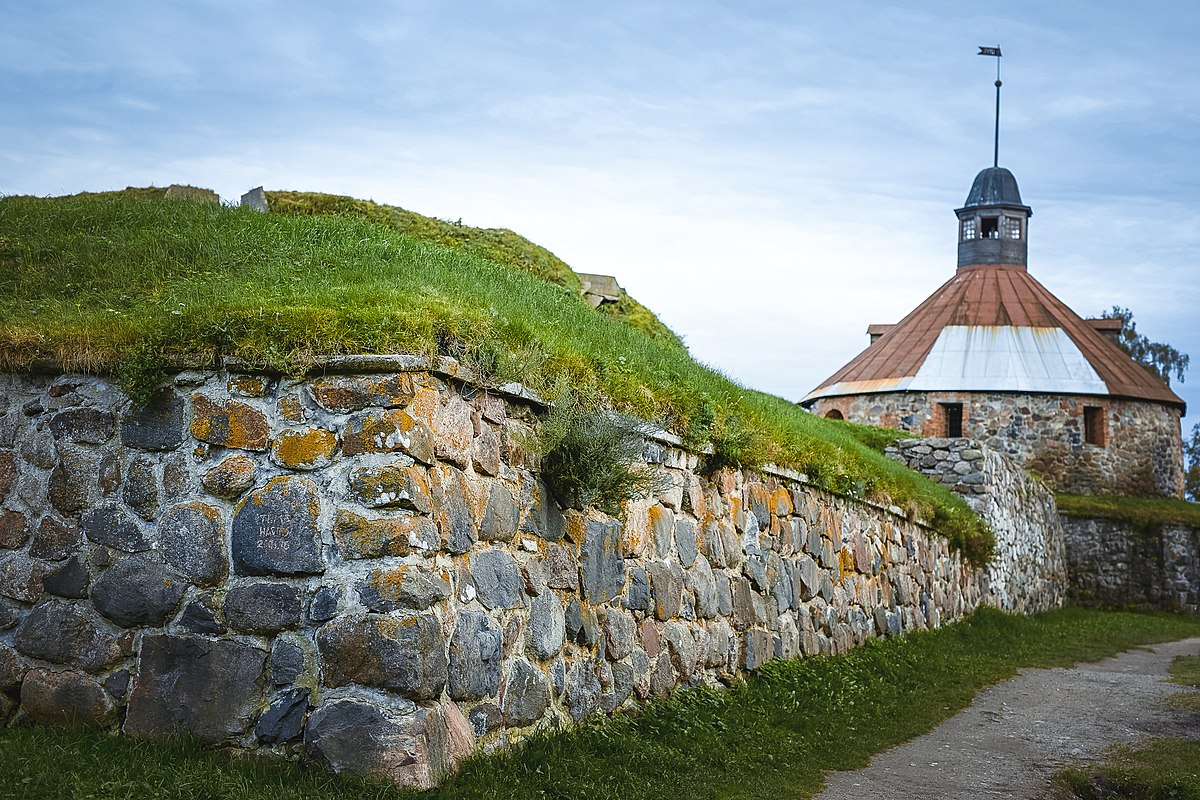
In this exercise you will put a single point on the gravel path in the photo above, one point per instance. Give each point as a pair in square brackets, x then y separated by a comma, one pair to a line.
[1016, 735]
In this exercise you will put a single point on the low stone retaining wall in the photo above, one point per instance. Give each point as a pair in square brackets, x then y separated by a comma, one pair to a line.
[365, 570]
[1029, 572]
[1114, 564]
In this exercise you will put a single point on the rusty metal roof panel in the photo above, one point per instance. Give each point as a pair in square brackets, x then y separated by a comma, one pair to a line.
[1001, 297]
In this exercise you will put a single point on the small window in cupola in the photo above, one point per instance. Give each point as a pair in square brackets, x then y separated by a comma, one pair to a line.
[970, 229]
[989, 228]
[1012, 227]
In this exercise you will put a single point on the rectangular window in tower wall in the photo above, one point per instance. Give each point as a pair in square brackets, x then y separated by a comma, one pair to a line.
[1012, 228]
[1093, 426]
[989, 228]
[952, 413]
[970, 230]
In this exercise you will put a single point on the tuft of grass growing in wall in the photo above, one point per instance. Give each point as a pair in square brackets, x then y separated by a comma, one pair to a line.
[592, 456]
[128, 283]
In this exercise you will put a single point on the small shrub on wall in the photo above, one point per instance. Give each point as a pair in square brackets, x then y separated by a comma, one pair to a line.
[591, 456]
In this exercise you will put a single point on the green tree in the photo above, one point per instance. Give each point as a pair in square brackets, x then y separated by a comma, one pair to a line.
[1158, 357]
[1191, 472]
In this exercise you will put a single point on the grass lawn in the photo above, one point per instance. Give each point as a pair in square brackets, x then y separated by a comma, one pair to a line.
[773, 736]
[127, 283]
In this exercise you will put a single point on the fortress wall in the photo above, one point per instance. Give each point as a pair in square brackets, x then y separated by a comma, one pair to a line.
[1029, 571]
[1141, 455]
[365, 570]
[1114, 564]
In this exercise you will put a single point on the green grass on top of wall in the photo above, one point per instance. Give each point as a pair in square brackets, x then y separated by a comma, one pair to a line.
[129, 284]
[1141, 513]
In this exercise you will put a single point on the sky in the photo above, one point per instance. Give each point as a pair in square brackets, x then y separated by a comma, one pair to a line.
[768, 177]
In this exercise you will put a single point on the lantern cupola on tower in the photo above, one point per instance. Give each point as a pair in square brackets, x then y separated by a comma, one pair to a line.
[993, 225]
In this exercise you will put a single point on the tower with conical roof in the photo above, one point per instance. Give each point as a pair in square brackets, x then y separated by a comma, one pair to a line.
[994, 356]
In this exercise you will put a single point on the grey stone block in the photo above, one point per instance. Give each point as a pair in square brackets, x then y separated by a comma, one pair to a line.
[262, 608]
[138, 591]
[192, 542]
[547, 626]
[287, 661]
[66, 700]
[70, 580]
[497, 579]
[475, 651]
[112, 527]
[195, 686]
[583, 690]
[404, 654]
[83, 426]
[158, 426]
[283, 721]
[275, 530]
[601, 565]
[527, 696]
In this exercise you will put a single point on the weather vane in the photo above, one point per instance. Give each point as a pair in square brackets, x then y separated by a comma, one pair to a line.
[995, 51]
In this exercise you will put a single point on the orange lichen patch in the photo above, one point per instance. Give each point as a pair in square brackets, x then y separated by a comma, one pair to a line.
[862, 553]
[424, 404]
[776, 528]
[756, 496]
[781, 502]
[378, 433]
[290, 409]
[229, 424]
[635, 533]
[354, 393]
[845, 563]
[389, 582]
[304, 449]
[359, 537]
[249, 385]
[576, 526]
[231, 477]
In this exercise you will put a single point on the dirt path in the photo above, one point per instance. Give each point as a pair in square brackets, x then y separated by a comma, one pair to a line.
[1016, 735]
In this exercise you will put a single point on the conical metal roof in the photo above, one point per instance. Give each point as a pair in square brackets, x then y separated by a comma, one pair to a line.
[995, 328]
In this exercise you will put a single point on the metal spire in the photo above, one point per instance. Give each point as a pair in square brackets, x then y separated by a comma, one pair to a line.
[995, 51]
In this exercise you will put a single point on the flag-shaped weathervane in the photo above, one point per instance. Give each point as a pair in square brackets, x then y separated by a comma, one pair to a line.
[995, 51]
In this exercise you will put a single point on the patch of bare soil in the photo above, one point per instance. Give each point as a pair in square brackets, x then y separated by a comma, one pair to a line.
[1016, 735]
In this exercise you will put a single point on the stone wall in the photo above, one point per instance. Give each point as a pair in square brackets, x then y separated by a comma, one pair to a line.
[1142, 454]
[364, 570]
[1114, 564]
[1029, 571]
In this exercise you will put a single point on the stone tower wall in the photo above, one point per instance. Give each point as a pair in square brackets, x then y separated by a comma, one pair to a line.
[1142, 454]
